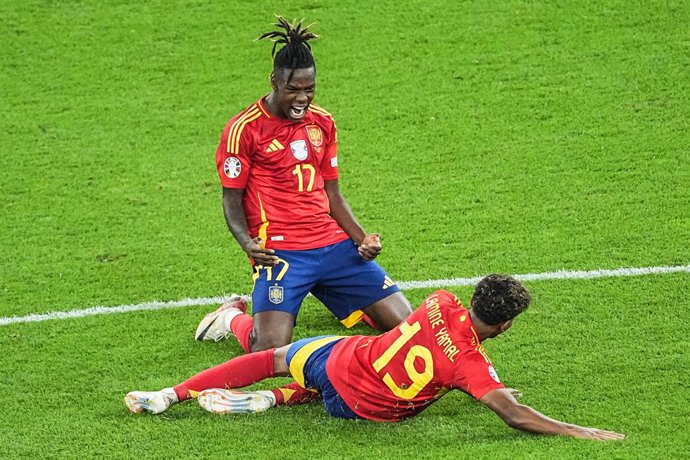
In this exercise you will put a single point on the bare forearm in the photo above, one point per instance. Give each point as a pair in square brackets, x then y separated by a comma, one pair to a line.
[527, 419]
[233, 210]
[343, 215]
[524, 418]
[235, 217]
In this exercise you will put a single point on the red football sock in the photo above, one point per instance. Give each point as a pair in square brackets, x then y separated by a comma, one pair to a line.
[241, 326]
[293, 394]
[236, 373]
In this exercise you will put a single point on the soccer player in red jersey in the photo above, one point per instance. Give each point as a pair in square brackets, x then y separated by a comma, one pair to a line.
[386, 378]
[278, 166]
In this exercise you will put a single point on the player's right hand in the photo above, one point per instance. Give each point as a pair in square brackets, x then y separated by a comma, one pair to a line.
[370, 246]
[259, 254]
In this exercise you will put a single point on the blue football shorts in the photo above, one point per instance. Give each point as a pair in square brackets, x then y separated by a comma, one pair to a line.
[336, 275]
[307, 361]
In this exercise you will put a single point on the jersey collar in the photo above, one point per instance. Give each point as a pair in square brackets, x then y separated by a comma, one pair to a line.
[263, 108]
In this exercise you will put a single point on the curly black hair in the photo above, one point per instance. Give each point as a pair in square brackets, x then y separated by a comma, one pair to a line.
[499, 298]
[296, 54]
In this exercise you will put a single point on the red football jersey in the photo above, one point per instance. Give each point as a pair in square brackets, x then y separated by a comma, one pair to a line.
[282, 165]
[398, 374]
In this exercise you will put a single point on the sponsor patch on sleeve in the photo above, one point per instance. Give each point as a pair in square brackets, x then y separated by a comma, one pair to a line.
[334, 162]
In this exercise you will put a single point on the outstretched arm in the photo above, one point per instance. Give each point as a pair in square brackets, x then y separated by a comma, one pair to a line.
[369, 244]
[522, 417]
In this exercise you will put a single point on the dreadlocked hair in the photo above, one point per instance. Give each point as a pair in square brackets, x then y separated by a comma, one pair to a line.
[296, 52]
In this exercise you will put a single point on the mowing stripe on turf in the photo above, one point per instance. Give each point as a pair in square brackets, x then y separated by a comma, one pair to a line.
[440, 283]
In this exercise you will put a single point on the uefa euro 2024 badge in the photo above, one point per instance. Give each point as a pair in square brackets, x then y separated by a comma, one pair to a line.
[232, 167]
[299, 149]
[275, 294]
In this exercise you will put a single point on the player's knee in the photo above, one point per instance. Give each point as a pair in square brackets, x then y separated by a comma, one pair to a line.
[397, 304]
[389, 322]
[264, 342]
[391, 311]
[272, 329]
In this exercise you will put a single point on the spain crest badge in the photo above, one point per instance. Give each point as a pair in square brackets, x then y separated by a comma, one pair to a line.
[275, 294]
[315, 135]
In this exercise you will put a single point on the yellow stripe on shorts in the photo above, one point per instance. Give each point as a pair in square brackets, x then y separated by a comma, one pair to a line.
[354, 318]
[302, 355]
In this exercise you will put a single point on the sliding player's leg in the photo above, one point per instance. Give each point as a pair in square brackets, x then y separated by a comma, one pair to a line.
[306, 360]
[273, 329]
[235, 373]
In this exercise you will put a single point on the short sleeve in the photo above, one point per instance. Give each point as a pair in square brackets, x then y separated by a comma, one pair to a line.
[476, 376]
[329, 163]
[233, 157]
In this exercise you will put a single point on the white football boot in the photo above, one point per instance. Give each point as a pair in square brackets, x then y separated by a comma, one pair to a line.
[154, 402]
[216, 325]
[220, 401]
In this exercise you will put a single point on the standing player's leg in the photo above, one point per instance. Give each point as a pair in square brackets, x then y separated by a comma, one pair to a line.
[264, 330]
[276, 299]
[356, 290]
[390, 311]
[271, 329]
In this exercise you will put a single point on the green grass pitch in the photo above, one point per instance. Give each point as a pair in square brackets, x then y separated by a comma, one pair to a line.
[476, 136]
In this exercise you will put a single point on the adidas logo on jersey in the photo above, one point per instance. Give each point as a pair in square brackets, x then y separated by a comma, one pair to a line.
[387, 283]
[275, 146]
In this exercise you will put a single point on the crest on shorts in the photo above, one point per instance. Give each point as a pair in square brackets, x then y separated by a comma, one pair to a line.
[315, 135]
[275, 294]
[299, 149]
[232, 167]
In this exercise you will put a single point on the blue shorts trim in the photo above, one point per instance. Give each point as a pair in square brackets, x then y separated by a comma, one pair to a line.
[336, 275]
[307, 360]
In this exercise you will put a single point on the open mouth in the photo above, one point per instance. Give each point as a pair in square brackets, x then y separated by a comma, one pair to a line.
[297, 112]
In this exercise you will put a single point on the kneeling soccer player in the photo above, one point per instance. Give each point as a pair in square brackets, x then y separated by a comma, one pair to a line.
[386, 378]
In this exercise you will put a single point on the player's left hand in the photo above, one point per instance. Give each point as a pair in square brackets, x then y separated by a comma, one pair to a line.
[517, 394]
[370, 246]
[596, 433]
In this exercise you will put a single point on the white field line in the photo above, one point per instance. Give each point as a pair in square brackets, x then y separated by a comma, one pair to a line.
[450, 282]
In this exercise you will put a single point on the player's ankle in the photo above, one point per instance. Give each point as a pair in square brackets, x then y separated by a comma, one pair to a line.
[176, 394]
[231, 316]
[270, 395]
[171, 396]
